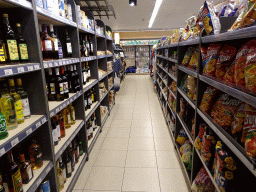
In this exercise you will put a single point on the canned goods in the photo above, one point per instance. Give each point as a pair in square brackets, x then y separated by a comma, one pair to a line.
[45, 186]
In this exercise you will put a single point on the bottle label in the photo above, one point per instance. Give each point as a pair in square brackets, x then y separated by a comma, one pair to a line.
[65, 87]
[61, 88]
[47, 89]
[25, 106]
[89, 73]
[23, 51]
[58, 130]
[85, 76]
[48, 45]
[3, 129]
[69, 118]
[52, 86]
[54, 135]
[73, 115]
[2, 54]
[29, 172]
[13, 49]
[19, 110]
[17, 181]
[92, 97]
[85, 102]
[89, 101]
[56, 47]
[69, 169]
[69, 48]
[60, 52]
[91, 48]
[88, 132]
[91, 130]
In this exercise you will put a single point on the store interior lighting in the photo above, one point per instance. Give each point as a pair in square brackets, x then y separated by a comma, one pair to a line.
[133, 2]
[155, 11]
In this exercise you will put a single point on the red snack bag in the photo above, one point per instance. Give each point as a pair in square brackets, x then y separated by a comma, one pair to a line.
[209, 64]
[229, 76]
[227, 53]
[208, 96]
[237, 125]
[203, 53]
[217, 105]
[250, 69]
[202, 182]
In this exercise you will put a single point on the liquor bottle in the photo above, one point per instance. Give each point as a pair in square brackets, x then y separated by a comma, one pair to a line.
[76, 150]
[65, 83]
[62, 166]
[89, 100]
[68, 44]
[12, 174]
[59, 85]
[95, 122]
[88, 72]
[67, 74]
[54, 40]
[88, 130]
[25, 170]
[52, 86]
[2, 189]
[7, 106]
[60, 51]
[85, 101]
[81, 151]
[2, 50]
[66, 117]
[72, 114]
[3, 128]
[84, 74]
[72, 76]
[57, 127]
[62, 126]
[22, 45]
[82, 46]
[54, 133]
[91, 128]
[92, 93]
[66, 8]
[24, 98]
[36, 156]
[11, 43]
[17, 102]
[78, 88]
[60, 177]
[91, 46]
[87, 46]
[68, 163]
[72, 154]
[47, 45]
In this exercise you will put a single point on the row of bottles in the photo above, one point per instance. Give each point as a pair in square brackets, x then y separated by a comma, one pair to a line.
[67, 162]
[13, 174]
[86, 46]
[61, 122]
[51, 44]
[89, 98]
[14, 106]
[61, 81]
[86, 72]
[13, 47]
[91, 126]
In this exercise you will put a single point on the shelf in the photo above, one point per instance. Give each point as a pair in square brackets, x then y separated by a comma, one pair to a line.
[231, 35]
[8, 70]
[101, 56]
[109, 38]
[173, 77]
[39, 176]
[110, 72]
[56, 106]
[207, 170]
[103, 76]
[188, 71]
[247, 98]
[173, 94]
[92, 141]
[60, 62]
[21, 132]
[189, 42]
[70, 134]
[104, 120]
[185, 128]
[83, 29]
[101, 99]
[100, 35]
[14, 3]
[70, 182]
[173, 112]
[91, 58]
[89, 84]
[110, 55]
[173, 60]
[237, 149]
[90, 111]
[110, 88]
[111, 107]
[46, 15]
[188, 99]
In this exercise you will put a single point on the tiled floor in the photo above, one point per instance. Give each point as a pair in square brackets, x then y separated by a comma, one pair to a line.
[134, 152]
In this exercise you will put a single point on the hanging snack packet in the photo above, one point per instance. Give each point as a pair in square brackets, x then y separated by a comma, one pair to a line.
[193, 64]
[203, 53]
[199, 138]
[227, 53]
[224, 168]
[206, 103]
[187, 56]
[209, 64]
[173, 86]
[208, 145]
[182, 137]
[202, 182]
[211, 21]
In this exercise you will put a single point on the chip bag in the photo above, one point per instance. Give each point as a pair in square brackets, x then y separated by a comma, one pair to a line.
[186, 147]
[187, 160]
[191, 86]
[188, 56]
[227, 53]
[208, 145]
[250, 68]
[193, 64]
[250, 112]
[208, 96]
[203, 53]
[183, 105]
[199, 138]
[202, 182]
[209, 64]
[182, 137]
[229, 76]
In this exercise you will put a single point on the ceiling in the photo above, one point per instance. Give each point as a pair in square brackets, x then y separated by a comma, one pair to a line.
[172, 14]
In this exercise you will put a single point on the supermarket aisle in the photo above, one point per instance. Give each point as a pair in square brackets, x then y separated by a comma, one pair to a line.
[134, 152]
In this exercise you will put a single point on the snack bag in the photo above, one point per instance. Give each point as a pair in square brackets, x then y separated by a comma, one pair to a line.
[249, 113]
[203, 53]
[209, 64]
[182, 137]
[202, 182]
[229, 76]
[187, 56]
[183, 104]
[193, 127]
[187, 160]
[238, 122]
[217, 105]
[199, 138]
[224, 168]
[191, 86]
[208, 96]
[193, 64]
[173, 86]
[186, 147]
[208, 145]
[250, 68]
[227, 53]
[211, 21]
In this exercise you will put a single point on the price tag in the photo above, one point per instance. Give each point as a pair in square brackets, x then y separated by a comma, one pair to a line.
[57, 110]
[15, 141]
[2, 151]
[20, 69]
[46, 65]
[38, 124]
[30, 68]
[36, 67]
[75, 97]
[39, 181]
[64, 62]
[29, 131]
[8, 72]
[60, 63]
[50, 64]
[43, 120]
[68, 62]
[56, 64]
[51, 114]
[71, 100]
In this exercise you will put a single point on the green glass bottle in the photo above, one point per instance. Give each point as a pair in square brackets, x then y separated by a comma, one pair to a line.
[3, 128]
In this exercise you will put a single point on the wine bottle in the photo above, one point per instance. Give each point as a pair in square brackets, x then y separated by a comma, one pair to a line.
[72, 77]
[72, 114]
[3, 128]
[60, 51]
[23, 49]
[62, 126]
[68, 44]
[66, 117]
[54, 132]
[60, 177]
[65, 82]
[3, 55]
[25, 170]
[57, 127]
[54, 40]
[52, 86]
[47, 45]
[36, 156]
[62, 166]
[87, 44]
[78, 88]
[91, 46]
[59, 85]
[68, 163]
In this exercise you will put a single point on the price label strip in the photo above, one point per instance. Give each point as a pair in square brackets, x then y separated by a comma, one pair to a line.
[15, 141]
[8, 72]
[20, 69]
[30, 68]
[29, 131]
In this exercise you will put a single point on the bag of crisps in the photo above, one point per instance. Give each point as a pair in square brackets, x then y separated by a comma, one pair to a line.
[203, 53]
[202, 182]
[208, 145]
[193, 64]
[227, 53]
[229, 76]
[209, 64]
[182, 137]
[187, 56]
[208, 96]
[199, 138]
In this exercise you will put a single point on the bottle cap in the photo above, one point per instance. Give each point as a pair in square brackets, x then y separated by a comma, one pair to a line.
[5, 15]
[17, 25]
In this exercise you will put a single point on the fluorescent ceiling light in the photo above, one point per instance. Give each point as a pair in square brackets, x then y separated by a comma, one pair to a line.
[155, 11]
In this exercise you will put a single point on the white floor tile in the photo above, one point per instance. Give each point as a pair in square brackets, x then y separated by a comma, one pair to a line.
[120, 132]
[141, 123]
[141, 144]
[115, 144]
[167, 159]
[121, 123]
[104, 132]
[141, 159]
[110, 158]
[123, 116]
[140, 132]
[83, 178]
[163, 144]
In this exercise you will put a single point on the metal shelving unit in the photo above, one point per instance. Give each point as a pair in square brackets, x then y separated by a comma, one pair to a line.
[34, 82]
